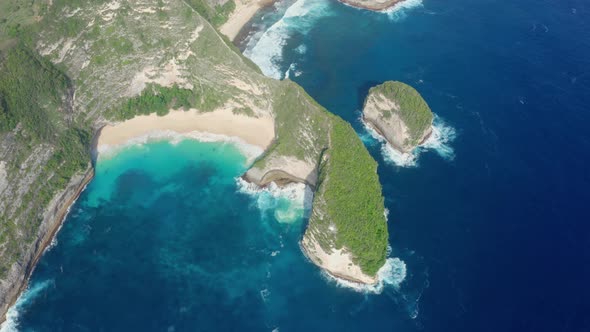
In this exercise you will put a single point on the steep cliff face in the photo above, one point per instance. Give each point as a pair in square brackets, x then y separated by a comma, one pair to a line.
[91, 63]
[15, 279]
[399, 114]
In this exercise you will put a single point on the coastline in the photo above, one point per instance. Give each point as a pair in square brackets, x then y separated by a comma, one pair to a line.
[58, 213]
[244, 12]
[338, 263]
[378, 134]
[255, 135]
[374, 5]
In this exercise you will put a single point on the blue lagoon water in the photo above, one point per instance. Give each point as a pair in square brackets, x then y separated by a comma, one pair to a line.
[490, 220]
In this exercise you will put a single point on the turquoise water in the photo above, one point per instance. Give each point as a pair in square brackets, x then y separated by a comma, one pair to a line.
[490, 220]
[165, 237]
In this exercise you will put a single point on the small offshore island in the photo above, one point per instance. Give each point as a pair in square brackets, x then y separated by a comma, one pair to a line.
[398, 113]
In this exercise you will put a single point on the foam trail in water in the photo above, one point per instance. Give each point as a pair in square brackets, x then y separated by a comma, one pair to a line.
[441, 138]
[440, 141]
[26, 298]
[290, 203]
[299, 18]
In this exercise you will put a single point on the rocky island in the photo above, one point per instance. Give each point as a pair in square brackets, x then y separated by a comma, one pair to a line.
[72, 73]
[372, 4]
[398, 113]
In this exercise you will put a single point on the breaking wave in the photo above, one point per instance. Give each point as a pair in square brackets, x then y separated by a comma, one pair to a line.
[391, 274]
[292, 69]
[266, 48]
[29, 295]
[299, 18]
[289, 203]
[439, 141]
[399, 11]
[251, 152]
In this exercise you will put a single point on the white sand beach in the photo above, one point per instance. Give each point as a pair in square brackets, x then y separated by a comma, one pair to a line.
[245, 10]
[258, 132]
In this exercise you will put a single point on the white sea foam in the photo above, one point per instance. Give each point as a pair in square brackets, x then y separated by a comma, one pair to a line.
[399, 11]
[26, 298]
[264, 294]
[301, 49]
[442, 136]
[439, 141]
[290, 203]
[292, 69]
[251, 152]
[391, 274]
[299, 18]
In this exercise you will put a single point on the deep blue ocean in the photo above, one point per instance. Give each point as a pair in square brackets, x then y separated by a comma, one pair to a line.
[491, 219]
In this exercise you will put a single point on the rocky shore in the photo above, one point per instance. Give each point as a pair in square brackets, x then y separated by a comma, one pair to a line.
[372, 4]
[17, 280]
[398, 113]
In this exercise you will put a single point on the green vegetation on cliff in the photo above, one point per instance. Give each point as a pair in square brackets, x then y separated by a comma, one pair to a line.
[413, 109]
[102, 60]
[297, 113]
[31, 88]
[216, 14]
[352, 199]
[34, 116]
[160, 100]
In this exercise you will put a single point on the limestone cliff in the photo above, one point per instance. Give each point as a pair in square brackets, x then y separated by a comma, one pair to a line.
[399, 114]
[81, 65]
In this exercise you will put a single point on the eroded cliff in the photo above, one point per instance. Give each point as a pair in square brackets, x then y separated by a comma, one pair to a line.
[399, 114]
[102, 62]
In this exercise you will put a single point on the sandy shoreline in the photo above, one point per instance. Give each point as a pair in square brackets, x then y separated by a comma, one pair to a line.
[257, 132]
[245, 10]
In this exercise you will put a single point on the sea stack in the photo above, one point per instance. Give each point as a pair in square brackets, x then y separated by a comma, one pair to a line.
[398, 113]
[372, 4]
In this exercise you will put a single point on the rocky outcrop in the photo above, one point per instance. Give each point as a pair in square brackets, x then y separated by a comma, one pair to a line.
[282, 170]
[397, 112]
[372, 4]
[337, 262]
